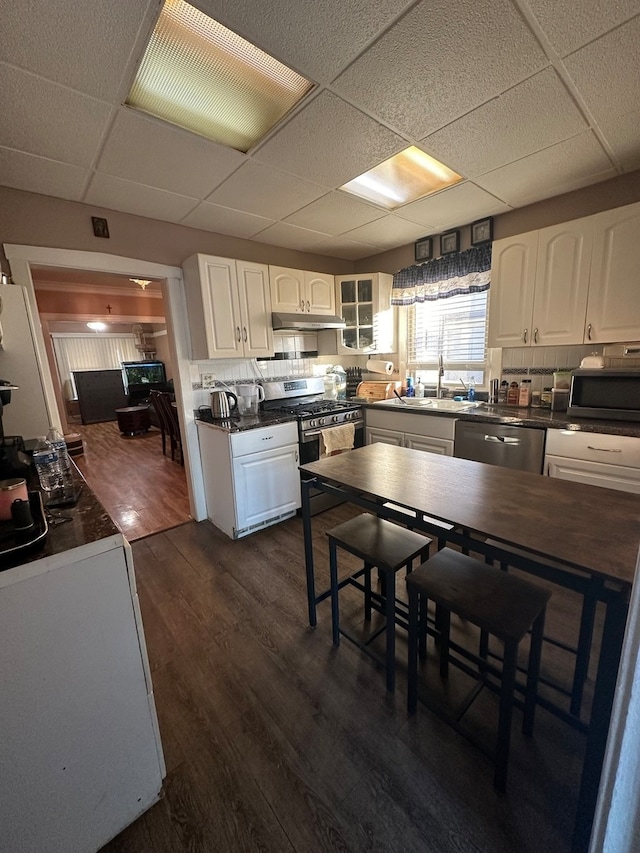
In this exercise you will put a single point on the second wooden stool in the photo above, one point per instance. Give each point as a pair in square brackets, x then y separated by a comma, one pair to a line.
[382, 545]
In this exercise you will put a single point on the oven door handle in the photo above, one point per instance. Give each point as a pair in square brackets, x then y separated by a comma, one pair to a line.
[309, 436]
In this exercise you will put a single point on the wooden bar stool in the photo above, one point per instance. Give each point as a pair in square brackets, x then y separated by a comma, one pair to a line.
[501, 604]
[382, 545]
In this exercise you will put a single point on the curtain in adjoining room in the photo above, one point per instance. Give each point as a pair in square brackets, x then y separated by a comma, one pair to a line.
[451, 275]
[90, 352]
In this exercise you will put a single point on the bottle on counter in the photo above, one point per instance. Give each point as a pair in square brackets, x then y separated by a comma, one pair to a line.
[410, 392]
[64, 462]
[535, 399]
[45, 459]
[419, 389]
[524, 397]
[545, 398]
[471, 390]
[513, 393]
[503, 393]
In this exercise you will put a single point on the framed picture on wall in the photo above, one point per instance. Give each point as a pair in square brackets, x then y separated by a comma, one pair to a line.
[424, 249]
[449, 242]
[482, 231]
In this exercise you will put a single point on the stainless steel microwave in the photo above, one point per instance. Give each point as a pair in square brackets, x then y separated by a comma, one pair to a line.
[605, 393]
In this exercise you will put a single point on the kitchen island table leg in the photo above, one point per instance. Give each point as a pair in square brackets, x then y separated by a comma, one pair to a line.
[305, 487]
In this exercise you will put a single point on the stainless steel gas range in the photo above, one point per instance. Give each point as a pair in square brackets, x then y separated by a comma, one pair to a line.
[303, 400]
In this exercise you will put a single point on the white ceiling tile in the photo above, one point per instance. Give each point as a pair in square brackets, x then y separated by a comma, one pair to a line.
[607, 72]
[155, 153]
[329, 142]
[569, 25]
[291, 237]
[318, 39]
[223, 220]
[82, 45]
[533, 115]
[334, 213]
[129, 197]
[387, 233]
[455, 206]
[341, 247]
[568, 164]
[622, 136]
[264, 191]
[37, 175]
[50, 120]
[433, 66]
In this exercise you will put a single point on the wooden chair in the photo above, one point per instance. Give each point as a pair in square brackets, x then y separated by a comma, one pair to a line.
[158, 409]
[168, 416]
[498, 603]
[382, 545]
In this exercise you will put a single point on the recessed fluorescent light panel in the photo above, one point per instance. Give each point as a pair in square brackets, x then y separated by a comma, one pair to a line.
[201, 76]
[405, 177]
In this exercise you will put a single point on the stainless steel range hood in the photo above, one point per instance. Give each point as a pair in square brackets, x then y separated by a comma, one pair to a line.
[306, 322]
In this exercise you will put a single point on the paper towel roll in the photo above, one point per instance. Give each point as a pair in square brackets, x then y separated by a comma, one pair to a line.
[376, 366]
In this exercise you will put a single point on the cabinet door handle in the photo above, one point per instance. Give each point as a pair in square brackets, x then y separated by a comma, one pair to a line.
[535, 336]
[238, 337]
[296, 455]
[308, 306]
[244, 334]
[526, 335]
[604, 449]
[589, 332]
[302, 304]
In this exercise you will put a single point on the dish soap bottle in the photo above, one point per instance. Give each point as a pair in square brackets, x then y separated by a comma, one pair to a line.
[471, 390]
[419, 389]
[410, 392]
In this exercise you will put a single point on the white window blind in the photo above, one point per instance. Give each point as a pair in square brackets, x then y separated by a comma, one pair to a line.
[456, 328]
[90, 352]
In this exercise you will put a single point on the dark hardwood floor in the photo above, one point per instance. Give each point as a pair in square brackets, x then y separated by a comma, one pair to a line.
[143, 491]
[276, 741]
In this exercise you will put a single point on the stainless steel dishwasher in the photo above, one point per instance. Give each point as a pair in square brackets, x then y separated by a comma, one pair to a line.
[516, 447]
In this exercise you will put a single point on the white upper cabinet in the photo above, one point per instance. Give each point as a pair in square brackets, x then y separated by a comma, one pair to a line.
[228, 307]
[613, 309]
[513, 278]
[301, 292]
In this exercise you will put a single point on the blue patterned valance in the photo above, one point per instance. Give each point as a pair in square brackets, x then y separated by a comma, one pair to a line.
[450, 275]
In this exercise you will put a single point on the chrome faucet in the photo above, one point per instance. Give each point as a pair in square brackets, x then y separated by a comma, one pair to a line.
[440, 375]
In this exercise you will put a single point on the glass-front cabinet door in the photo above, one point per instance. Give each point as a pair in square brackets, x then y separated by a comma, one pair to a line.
[364, 307]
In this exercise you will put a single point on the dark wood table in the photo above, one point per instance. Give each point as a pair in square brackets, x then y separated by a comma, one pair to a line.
[590, 534]
[133, 420]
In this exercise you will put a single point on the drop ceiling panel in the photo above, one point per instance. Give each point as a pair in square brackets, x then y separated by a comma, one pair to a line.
[82, 45]
[318, 39]
[622, 136]
[565, 166]
[604, 74]
[342, 247]
[223, 220]
[264, 191]
[58, 123]
[433, 67]
[182, 162]
[334, 213]
[531, 116]
[129, 197]
[455, 206]
[329, 142]
[292, 237]
[386, 233]
[570, 25]
[37, 175]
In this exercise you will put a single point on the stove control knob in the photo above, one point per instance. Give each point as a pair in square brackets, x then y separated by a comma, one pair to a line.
[312, 423]
[334, 419]
[320, 421]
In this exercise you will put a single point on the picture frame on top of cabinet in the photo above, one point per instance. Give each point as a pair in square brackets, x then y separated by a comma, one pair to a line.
[449, 242]
[424, 249]
[482, 231]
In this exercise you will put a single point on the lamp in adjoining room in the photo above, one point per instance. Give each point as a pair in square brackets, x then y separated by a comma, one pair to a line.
[97, 326]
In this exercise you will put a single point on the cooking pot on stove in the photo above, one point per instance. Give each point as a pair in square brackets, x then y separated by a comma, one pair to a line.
[223, 403]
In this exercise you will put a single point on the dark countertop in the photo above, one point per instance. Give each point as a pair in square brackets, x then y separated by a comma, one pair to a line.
[241, 424]
[515, 416]
[89, 522]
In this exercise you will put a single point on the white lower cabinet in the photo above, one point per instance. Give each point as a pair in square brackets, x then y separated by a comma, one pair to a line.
[430, 433]
[251, 478]
[610, 461]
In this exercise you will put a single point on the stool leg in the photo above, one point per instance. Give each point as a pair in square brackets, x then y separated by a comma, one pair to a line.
[367, 592]
[506, 712]
[333, 574]
[585, 638]
[483, 651]
[390, 613]
[533, 672]
[444, 626]
[422, 633]
[412, 661]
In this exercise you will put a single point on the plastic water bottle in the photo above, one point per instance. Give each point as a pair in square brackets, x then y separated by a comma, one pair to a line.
[471, 390]
[410, 389]
[45, 459]
[64, 462]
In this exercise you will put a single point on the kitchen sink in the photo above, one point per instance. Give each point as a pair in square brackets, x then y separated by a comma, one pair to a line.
[440, 405]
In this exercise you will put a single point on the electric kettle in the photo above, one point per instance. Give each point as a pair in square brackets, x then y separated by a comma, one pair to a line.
[223, 403]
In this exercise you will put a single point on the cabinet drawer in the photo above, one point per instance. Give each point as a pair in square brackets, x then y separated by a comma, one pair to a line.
[620, 450]
[437, 426]
[264, 438]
